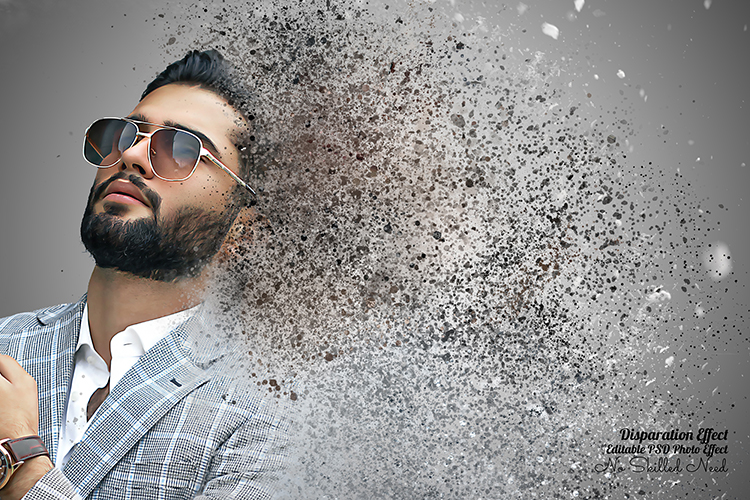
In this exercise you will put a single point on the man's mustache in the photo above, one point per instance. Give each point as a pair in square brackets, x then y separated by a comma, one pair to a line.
[153, 198]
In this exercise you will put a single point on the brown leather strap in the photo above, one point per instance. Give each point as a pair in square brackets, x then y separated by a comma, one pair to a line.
[26, 448]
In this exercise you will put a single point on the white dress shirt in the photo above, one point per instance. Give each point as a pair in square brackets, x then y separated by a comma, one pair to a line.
[90, 371]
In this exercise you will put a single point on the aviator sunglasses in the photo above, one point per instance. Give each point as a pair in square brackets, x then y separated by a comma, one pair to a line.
[173, 153]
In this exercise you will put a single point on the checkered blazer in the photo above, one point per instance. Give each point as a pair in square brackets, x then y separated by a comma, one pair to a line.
[174, 427]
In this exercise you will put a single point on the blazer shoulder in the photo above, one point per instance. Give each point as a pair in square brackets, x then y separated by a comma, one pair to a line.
[39, 317]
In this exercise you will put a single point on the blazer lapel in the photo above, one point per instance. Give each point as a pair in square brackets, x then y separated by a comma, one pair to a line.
[158, 381]
[55, 345]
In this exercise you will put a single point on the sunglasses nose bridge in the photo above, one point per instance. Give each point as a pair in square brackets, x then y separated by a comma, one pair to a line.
[137, 155]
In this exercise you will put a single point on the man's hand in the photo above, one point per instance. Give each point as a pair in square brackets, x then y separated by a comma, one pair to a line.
[19, 403]
[19, 417]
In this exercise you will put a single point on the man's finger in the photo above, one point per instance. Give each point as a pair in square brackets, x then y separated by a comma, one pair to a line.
[11, 370]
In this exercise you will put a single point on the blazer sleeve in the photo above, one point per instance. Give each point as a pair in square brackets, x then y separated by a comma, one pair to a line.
[245, 467]
[53, 486]
[248, 464]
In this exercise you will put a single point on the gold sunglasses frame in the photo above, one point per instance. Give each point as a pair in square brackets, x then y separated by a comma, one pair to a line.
[203, 151]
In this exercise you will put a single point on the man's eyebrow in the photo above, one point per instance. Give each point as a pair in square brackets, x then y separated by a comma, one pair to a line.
[207, 143]
[137, 117]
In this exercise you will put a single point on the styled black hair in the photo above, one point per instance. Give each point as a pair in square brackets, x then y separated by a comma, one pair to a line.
[211, 71]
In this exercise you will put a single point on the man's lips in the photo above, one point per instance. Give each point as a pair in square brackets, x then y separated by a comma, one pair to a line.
[121, 191]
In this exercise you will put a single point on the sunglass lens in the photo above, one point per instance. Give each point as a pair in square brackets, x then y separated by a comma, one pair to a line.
[106, 139]
[174, 153]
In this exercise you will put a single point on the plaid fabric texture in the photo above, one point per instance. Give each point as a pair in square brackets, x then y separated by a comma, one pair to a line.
[173, 428]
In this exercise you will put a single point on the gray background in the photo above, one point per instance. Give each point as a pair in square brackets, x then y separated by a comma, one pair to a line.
[64, 64]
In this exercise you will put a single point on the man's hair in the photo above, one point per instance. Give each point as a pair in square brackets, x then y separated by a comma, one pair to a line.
[211, 71]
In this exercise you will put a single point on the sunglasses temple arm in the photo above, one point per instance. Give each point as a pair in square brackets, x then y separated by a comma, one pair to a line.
[231, 174]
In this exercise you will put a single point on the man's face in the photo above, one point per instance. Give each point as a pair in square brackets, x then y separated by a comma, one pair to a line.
[149, 227]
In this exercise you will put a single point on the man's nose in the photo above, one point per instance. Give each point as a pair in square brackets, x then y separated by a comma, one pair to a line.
[136, 158]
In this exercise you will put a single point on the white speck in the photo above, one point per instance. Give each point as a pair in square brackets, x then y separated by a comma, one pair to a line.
[707, 4]
[650, 382]
[669, 361]
[742, 164]
[522, 7]
[718, 261]
[642, 93]
[659, 296]
[74, 396]
[535, 408]
[713, 393]
[745, 28]
[550, 30]
[540, 459]
[620, 73]
[596, 77]
[599, 13]
[459, 18]
[699, 311]
[669, 27]
[691, 142]
[579, 4]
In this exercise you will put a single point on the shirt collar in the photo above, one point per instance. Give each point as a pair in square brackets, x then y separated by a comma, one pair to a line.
[148, 333]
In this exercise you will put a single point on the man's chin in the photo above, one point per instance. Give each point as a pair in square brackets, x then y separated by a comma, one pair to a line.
[137, 243]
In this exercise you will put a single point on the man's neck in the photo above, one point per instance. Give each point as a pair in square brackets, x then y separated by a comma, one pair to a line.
[117, 300]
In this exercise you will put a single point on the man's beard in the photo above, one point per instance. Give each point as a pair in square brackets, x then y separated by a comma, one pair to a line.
[169, 249]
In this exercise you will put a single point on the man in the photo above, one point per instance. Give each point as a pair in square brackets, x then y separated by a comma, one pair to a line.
[114, 386]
